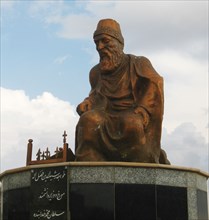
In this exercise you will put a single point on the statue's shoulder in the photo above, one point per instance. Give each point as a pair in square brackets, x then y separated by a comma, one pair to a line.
[94, 69]
[143, 67]
[140, 60]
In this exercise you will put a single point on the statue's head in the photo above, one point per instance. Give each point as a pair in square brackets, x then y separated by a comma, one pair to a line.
[109, 44]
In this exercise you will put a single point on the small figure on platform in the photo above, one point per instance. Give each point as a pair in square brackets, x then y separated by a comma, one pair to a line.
[121, 119]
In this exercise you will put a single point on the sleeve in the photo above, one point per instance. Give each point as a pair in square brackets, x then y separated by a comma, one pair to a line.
[150, 88]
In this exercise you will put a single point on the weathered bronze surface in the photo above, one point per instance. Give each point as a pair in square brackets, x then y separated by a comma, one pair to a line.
[121, 119]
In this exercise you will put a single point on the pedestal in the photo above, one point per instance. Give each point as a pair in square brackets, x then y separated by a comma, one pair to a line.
[109, 191]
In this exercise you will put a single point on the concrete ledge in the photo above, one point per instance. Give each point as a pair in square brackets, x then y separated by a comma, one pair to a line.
[114, 172]
[105, 164]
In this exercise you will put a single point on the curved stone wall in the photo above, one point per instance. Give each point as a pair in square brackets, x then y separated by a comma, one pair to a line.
[108, 190]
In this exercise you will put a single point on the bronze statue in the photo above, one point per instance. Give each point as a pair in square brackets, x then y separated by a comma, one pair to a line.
[121, 119]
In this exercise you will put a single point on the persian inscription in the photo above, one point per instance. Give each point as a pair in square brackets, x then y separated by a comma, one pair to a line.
[48, 214]
[48, 176]
[49, 193]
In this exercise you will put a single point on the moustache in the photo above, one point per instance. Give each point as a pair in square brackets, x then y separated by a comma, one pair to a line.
[104, 54]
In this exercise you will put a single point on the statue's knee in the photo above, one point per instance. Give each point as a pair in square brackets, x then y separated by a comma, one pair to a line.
[89, 125]
[91, 118]
[133, 124]
[89, 154]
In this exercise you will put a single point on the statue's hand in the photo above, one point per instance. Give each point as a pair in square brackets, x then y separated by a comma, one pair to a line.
[144, 114]
[84, 106]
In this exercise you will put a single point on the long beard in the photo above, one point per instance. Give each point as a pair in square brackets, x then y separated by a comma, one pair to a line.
[109, 61]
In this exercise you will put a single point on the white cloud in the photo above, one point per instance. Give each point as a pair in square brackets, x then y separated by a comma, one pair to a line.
[70, 19]
[41, 9]
[73, 26]
[185, 89]
[46, 117]
[185, 146]
[43, 119]
[164, 24]
[61, 60]
[151, 25]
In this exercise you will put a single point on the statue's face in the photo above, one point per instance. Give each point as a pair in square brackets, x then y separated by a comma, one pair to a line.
[110, 51]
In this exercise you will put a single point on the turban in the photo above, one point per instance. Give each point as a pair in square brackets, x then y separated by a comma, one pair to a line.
[111, 28]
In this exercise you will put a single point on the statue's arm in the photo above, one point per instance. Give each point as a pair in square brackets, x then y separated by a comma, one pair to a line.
[144, 114]
[149, 104]
[150, 92]
[87, 103]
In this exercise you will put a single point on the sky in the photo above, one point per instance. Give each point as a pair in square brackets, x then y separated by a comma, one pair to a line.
[47, 51]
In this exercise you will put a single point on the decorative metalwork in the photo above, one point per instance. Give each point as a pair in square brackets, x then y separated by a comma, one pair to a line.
[61, 154]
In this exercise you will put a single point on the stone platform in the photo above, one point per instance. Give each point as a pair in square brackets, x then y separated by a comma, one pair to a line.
[104, 191]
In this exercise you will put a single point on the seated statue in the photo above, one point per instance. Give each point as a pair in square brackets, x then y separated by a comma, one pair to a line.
[121, 119]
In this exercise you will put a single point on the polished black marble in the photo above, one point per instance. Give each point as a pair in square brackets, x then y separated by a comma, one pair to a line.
[91, 201]
[109, 202]
[127, 202]
[171, 203]
[134, 202]
[49, 193]
[16, 204]
[202, 205]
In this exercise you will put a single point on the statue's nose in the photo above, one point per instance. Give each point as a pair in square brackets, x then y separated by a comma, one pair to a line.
[100, 45]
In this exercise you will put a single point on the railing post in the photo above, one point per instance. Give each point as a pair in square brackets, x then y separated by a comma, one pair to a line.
[29, 152]
[65, 152]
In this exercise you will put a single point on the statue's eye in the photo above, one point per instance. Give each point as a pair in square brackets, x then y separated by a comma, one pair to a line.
[105, 40]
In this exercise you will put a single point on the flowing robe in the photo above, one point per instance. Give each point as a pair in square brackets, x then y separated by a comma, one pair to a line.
[111, 130]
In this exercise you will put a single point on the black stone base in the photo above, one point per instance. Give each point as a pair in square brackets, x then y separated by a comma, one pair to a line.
[114, 202]
[104, 193]
[127, 202]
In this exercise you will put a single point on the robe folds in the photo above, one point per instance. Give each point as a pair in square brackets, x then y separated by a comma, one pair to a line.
[124, 121]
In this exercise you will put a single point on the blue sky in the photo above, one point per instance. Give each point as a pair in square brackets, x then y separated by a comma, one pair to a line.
[47, 51]
[37, 58]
